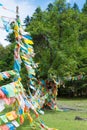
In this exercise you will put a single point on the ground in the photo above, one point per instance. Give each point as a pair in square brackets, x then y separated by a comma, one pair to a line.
[63, 120]
[66, 120]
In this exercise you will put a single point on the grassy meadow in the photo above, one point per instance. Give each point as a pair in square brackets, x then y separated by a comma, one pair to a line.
[65, 120]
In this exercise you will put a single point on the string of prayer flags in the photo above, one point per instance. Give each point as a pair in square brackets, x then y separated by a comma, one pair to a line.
[7, 74]
[14, 93]
[6, 8]
[10, 116]
[8, 90]
[69, 78]
[6, 25]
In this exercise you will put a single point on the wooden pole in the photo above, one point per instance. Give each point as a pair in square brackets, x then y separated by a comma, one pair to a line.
[17, 12]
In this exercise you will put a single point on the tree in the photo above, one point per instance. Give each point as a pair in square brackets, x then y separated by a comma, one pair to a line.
[27, 21]
[75, 7]
[50, 7]
[84, 9]
[38, 13]
[60, 5]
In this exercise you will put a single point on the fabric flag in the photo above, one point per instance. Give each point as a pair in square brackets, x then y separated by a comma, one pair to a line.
[12, 72]
[30, 50]
[4, 91]
[14, 114]
[28, 41]
[28, 104]
[32, 71]
[2, 103]
[4, 127]
[41, 112]
[1, 4]
[15, 123]
[30, 118]
[27, 37]
[32, 87]
[2, 107]
[1, 77]
[6, 8]
[4, 100]
[23, 49]
[20, 111]
[21, 101]
[21, 119]
[11, 115]
[7, 74]
[3, 118]
[9, 90]
[17, 66]
[6, 25]
[4, 76]
[11, 126]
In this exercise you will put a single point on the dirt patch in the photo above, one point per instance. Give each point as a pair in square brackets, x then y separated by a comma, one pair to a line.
[80, 118]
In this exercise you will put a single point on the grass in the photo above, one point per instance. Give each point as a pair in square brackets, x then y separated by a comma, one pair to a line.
[66, 120]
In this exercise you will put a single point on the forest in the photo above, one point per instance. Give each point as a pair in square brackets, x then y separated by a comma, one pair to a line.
[60, 37]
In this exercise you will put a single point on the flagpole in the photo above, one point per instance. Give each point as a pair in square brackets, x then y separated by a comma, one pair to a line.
[17, 12]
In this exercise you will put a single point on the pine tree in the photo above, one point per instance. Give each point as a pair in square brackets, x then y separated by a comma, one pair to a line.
[27, 21]
[75, 7]
[84, 9]
[50, 7]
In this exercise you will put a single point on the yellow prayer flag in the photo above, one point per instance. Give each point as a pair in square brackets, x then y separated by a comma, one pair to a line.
[16, 28]
[16, 34]
[9, 116]
[1, 78]
[30, 118]
[28, 41]
[25, 58]
[30, 49]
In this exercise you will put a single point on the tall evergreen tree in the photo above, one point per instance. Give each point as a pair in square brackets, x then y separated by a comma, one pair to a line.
[84, 9]
[27, 21]
[75, 7]
[60, 5]
[50, 7]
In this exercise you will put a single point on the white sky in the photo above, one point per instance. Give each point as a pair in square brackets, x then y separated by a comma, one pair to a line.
[25, 8]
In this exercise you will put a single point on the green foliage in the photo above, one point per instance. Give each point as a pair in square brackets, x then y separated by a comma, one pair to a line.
[75, 7]
[60, 38]
[27, 21]
[85, 7]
